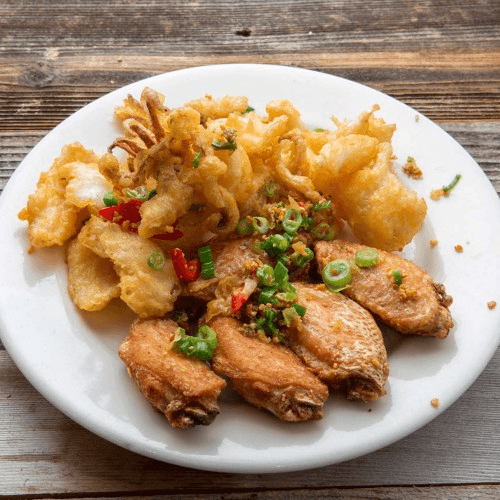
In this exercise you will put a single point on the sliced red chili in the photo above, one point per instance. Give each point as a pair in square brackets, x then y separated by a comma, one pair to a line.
[174, 235]
[238, 301]
[185, 270]
[128, 211]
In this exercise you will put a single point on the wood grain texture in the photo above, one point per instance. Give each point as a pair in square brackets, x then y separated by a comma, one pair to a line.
[441, 57]
[42, 452]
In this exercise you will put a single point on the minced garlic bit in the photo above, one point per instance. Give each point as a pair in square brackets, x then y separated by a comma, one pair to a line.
[435, 402]
[437, 194]
[492, 304]
[459, 248]
[411, 169]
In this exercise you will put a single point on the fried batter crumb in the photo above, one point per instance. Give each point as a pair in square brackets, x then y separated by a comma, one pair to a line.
[411, 169]
[492, 304]
[433, 243]
[459, 248]
[435, 402]
[437, 194]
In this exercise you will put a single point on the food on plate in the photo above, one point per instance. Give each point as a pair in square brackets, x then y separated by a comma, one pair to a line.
[54, 212]
[266, 374]
[183, 388]
[216, 225]
[394, 289]
[340, 342]
[147, 291]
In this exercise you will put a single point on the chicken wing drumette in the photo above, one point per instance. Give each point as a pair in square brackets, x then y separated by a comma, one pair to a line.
[267, 375]
[397, 291]
[183, 388]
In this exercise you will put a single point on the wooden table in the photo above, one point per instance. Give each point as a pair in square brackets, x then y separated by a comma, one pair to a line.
[441, 57]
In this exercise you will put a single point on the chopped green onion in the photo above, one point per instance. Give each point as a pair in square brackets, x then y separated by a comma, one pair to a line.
[267, 295]
[410, 159]
[283, 259]
[140, 193]
[319, 130]
[152, 194]
[280, 273]
[324, 231]
[208, 335]
[398, 277]
[301, 260]
[207, 270]
[156, 260]
[453, 183]
[301, 310]
[337, 275]
[197, 159]
[224, 145]
[248, 110]
[207, 262]
[292, 221]
[308, 222]
[270, 189]
[110, 199]
[289, 314]
[289, 293]
[205, 254]
[201, 346]
[275, 245]
[366, 257]
[265, 275]
[322, 206]
[261, 225]
[244, 227]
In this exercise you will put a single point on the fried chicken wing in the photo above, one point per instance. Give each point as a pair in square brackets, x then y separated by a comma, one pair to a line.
[340, 342]
[267, 375]
[184, 389]
[231, 259]
[415, 306]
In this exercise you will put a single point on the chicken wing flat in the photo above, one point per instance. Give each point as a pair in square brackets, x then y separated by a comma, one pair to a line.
[267, 375]
[231, 259]
[184, 389]
[397, 291]
[340, 342]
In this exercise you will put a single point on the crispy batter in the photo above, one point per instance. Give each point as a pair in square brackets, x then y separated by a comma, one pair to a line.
[183, 388]
[92, 280]
[418, 306]
[269, 376]
[146, 291]
[340, 342]
[53, 219]
[381, 211]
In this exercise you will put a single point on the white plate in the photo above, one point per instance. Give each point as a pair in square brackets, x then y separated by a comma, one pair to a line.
[71, 357]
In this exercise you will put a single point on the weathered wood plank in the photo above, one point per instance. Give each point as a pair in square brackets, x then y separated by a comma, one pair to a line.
[486, 492]
[42, 452]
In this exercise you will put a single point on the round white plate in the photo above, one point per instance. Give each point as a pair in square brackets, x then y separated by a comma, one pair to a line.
[71, 357]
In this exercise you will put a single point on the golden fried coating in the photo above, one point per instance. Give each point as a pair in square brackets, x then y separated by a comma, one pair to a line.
[381, 211]
[52, 218]
[416, 306]
[146, 291]
[183, 388]
[267, 375]
[92, 280]
[340, 342]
